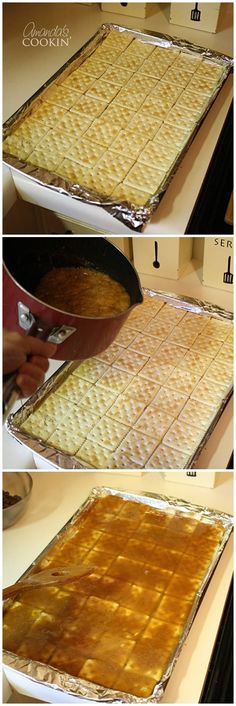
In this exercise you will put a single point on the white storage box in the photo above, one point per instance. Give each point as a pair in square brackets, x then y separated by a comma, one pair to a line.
[206, 479]
[132, 9]
[218, 263]
[165, 257]
[201, 15]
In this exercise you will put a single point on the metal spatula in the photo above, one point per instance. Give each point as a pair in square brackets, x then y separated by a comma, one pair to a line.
[49, 577]
[196, 14]
[228, 276]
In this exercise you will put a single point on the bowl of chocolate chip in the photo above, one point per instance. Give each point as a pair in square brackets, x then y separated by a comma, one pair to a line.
[16, 491]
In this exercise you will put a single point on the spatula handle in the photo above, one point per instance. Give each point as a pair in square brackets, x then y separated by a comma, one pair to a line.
[49, 577]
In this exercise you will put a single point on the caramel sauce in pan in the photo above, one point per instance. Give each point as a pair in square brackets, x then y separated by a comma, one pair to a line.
[119, 626]
[83, 291]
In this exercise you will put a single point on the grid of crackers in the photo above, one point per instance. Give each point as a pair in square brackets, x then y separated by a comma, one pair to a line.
[117, 124]
[119, 626]
[148, 399]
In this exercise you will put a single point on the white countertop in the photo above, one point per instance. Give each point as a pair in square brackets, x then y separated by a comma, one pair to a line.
[27, 68]
[56, 496]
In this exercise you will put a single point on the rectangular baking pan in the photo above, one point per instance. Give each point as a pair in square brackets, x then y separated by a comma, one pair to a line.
[59, 459]
[35, 678]
[135, 217]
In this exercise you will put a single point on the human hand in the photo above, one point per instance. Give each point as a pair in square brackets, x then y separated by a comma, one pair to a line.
[29, 357]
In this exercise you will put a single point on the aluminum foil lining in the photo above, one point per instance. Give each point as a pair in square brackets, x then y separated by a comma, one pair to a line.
[134, 217]
[59, 459]
[62, 682]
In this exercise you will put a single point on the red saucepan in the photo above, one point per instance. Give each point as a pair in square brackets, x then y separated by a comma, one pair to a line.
[26, 260]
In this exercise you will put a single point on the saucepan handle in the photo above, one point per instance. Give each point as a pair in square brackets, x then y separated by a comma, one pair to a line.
[32, 326]
[11, 391]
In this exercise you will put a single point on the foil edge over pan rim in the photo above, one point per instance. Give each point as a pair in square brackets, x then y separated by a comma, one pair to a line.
[133, 217]
[38, 672]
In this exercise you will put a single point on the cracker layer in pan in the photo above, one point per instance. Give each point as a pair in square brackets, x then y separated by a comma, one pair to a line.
[129, 97]
[149, 399]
